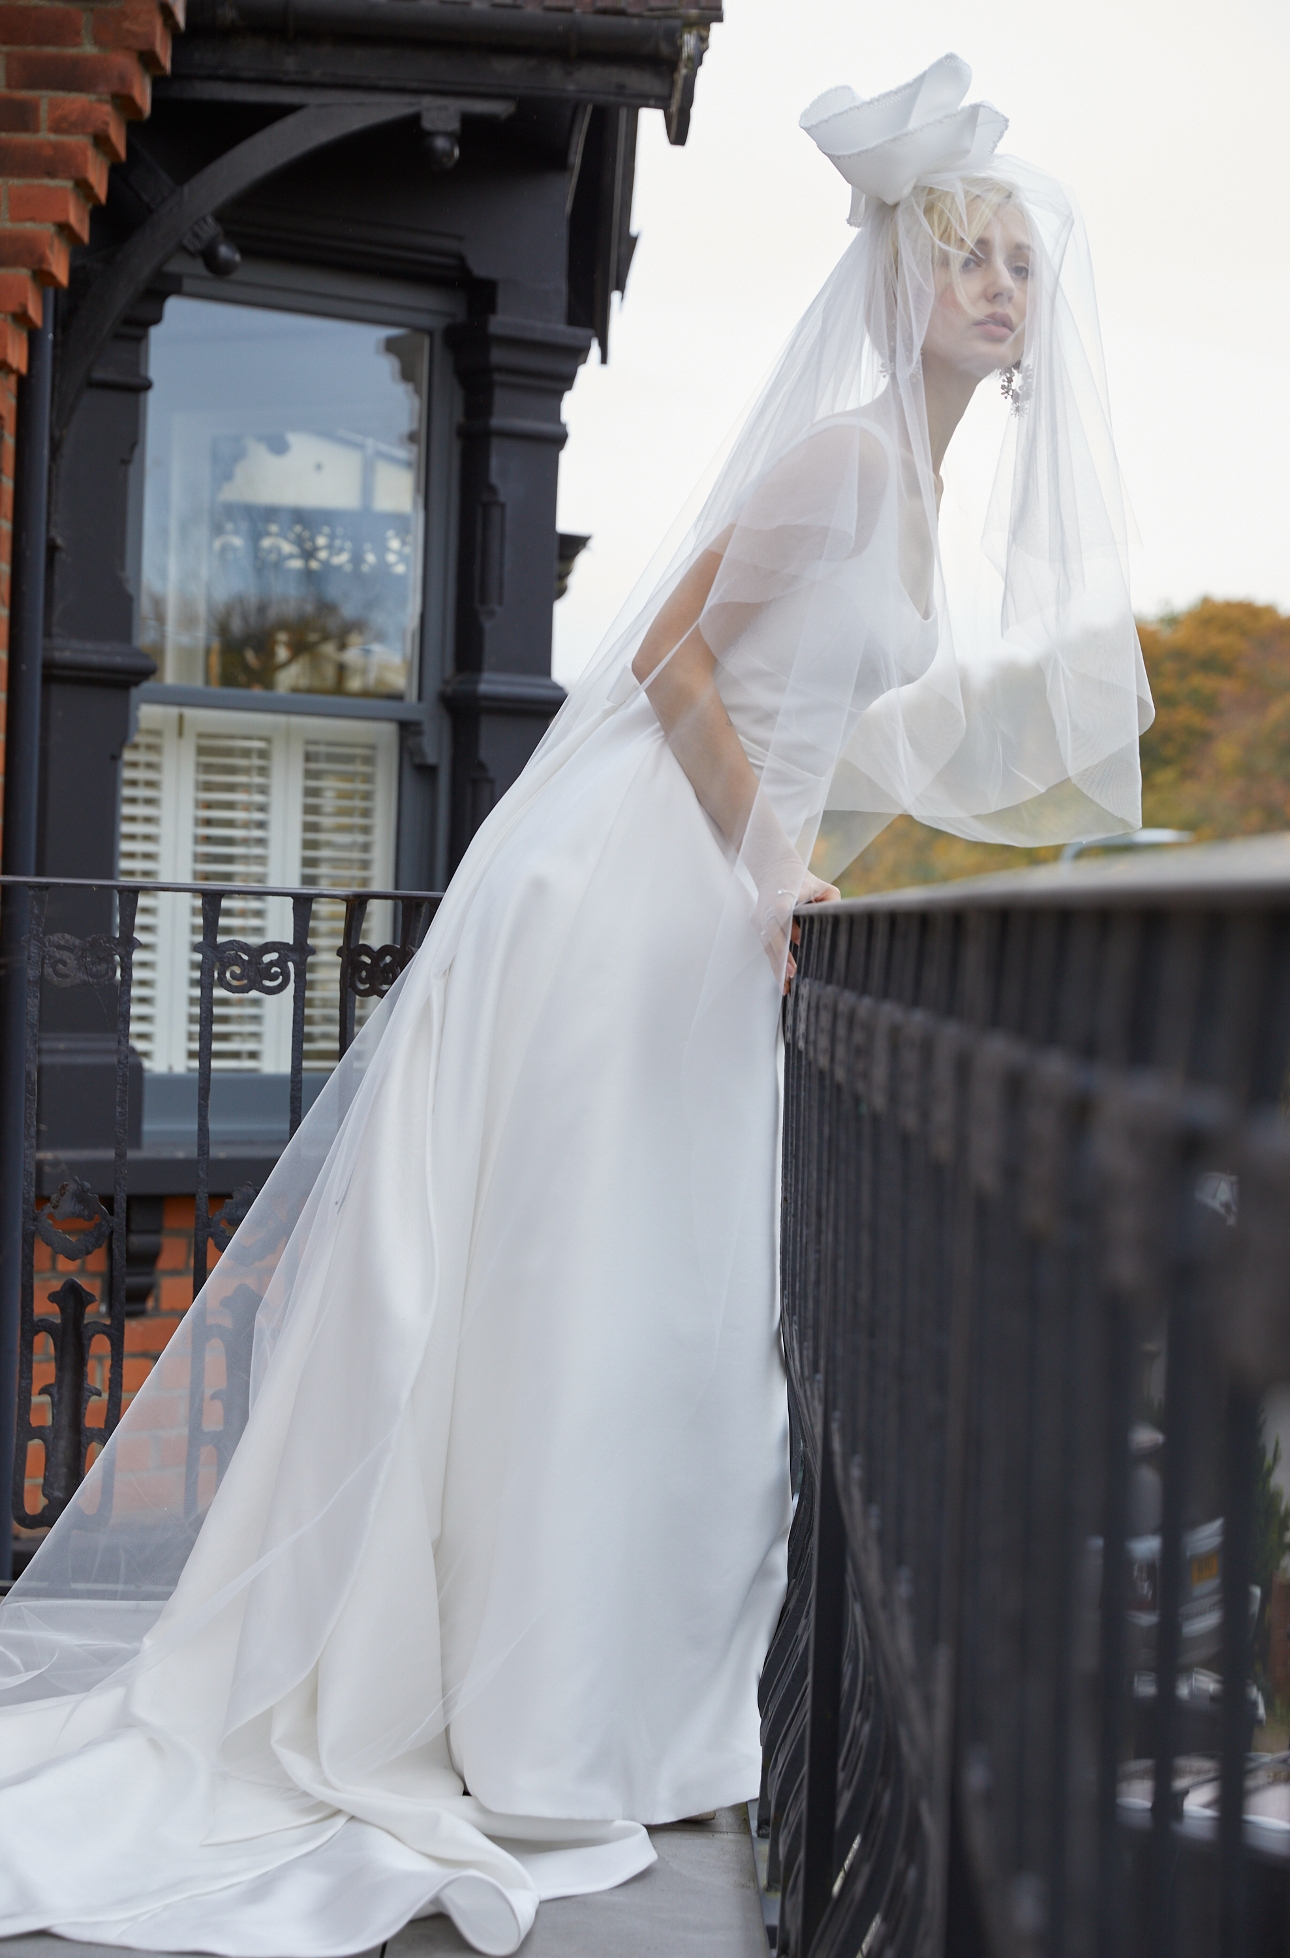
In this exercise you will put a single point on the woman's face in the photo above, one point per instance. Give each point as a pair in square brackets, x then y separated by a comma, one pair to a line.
[978, 318]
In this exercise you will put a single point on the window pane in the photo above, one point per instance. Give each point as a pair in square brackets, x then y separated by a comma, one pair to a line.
[282, 501]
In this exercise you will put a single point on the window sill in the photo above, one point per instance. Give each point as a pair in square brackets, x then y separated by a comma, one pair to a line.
[347, 707]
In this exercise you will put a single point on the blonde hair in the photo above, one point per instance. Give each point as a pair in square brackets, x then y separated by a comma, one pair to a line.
[953, 215]
[955, 219]
[938, 223]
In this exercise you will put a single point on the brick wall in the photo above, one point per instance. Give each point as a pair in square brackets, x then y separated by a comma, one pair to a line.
[70, 75]
[145, 1336]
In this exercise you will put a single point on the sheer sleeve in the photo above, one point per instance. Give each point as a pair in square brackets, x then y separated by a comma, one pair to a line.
[974, 665]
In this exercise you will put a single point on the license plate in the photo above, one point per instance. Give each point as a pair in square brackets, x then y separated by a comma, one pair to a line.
[1204, 1570]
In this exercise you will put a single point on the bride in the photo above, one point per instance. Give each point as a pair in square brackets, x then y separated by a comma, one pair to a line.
[440, 1552]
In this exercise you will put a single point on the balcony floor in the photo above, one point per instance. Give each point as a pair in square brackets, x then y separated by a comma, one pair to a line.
[699, 1900]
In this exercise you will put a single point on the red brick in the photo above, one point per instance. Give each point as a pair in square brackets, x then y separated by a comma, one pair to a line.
[19, 112]
[68, 115]
[174, 1294]
[39, 249]
[81, 1265]
[149, 1334]
[81, 73]
[13, 360]
[176, 1252]
[178, 1214]
[66, 159]
[41, 27]
[137, 25]
[135, 1372]
[20, 297]
[50, 204]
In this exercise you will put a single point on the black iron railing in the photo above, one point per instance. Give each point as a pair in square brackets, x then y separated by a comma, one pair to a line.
[1036, 1285]
[49, 962]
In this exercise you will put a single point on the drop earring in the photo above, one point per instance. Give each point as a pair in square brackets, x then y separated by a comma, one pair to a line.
[1013, 386]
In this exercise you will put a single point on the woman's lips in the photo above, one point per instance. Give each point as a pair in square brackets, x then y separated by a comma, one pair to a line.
[996, 326]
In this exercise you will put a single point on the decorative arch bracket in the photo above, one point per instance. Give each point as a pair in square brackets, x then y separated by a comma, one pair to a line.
[247, 163]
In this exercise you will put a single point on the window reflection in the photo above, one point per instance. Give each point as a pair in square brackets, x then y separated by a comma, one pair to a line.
[282, 501]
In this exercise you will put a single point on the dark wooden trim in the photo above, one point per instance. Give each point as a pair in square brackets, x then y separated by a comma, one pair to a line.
[98, 663]
[505, 693]
[112, 294]
[571, 35]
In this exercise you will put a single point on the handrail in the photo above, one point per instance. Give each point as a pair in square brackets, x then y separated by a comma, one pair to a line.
[1227, 875]
[1035, 1240]
[142, 884]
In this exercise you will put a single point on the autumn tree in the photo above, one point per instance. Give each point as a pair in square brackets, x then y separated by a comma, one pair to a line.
[1215, 761]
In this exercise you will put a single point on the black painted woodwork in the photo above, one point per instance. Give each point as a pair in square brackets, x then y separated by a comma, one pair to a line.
[90, 666]
[514, 376]
[485, 150]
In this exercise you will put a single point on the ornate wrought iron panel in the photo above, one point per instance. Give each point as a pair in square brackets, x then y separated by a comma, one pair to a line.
[85, 1325]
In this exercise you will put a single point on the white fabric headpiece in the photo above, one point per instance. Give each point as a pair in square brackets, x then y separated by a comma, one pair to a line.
[885, 145]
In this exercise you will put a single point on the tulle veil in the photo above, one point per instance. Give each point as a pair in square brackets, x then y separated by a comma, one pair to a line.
[1001, 697]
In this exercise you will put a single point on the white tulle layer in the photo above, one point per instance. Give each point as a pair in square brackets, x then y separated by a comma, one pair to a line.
[551, 1567]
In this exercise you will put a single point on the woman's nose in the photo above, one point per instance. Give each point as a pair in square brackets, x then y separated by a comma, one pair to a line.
[1002, 283]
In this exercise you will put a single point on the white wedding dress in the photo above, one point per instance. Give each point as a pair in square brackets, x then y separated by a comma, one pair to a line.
[469, 1470]
[561, 1551]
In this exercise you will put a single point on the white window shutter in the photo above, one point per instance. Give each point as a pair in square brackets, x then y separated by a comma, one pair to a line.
[345, 834]
[218, 796]
[232, 817]
[142, 827]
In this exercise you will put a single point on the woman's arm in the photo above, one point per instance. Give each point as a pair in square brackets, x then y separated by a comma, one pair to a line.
[677, 669]
[683, 693]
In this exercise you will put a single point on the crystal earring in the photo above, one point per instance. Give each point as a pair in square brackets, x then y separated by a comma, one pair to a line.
[1013, 388]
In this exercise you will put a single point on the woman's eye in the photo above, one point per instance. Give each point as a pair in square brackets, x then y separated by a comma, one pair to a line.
[1021, 271]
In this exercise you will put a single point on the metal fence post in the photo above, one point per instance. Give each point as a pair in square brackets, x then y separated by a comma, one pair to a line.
[22, 740]
[1241, 1467]
[824, 1698]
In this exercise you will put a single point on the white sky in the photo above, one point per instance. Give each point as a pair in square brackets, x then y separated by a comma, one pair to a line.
[1165, 117]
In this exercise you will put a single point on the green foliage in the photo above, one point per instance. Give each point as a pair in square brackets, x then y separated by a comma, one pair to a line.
[1216, 761]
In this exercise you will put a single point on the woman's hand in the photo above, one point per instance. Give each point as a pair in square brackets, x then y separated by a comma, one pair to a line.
[814, 891]
[675, 665]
